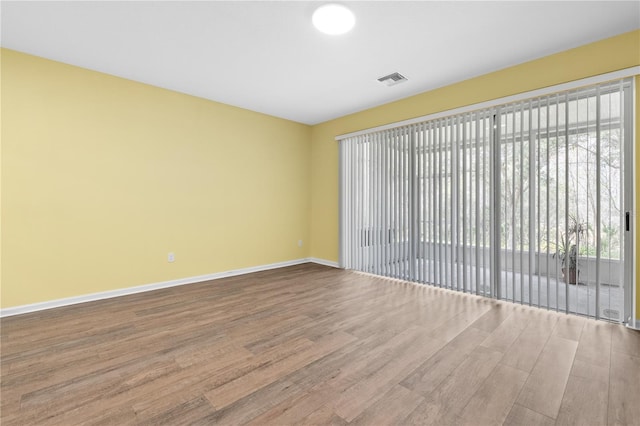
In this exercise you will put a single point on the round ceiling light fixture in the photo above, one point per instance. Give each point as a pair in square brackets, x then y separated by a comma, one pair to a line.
[333, 19]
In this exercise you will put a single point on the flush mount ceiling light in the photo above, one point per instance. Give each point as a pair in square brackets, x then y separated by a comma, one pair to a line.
[333, 19]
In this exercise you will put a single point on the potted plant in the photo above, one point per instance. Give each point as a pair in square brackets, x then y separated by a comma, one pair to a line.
[568, 250]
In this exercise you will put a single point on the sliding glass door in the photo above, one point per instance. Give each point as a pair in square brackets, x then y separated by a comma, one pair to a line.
[523, 202]
[561, 192]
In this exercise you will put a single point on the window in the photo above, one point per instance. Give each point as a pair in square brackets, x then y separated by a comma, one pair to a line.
[523, 201]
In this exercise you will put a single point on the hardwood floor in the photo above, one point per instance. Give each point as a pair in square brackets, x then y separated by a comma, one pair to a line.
[315, 345]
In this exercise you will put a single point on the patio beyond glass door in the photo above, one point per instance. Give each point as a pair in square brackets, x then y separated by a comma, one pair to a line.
[562, 197]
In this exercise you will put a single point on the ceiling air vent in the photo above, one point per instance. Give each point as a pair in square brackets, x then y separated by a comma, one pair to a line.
[392, 79]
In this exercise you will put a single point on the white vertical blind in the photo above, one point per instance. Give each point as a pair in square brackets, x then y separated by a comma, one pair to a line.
[416, 202]
[562, 158]
[522, 201]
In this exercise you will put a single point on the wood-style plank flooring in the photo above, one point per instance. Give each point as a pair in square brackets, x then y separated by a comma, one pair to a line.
[315, 345]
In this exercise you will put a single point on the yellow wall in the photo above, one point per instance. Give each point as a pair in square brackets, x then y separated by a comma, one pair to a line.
[597, 58]
[102, 177]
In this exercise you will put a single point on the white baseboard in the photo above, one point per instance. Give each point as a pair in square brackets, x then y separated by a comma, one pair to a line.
[17, 310]
[323, 262]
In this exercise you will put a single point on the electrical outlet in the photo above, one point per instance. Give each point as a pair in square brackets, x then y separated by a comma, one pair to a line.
[299, 243]
[171, 257]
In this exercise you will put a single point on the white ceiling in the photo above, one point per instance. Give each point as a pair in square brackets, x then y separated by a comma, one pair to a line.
[267, 57]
